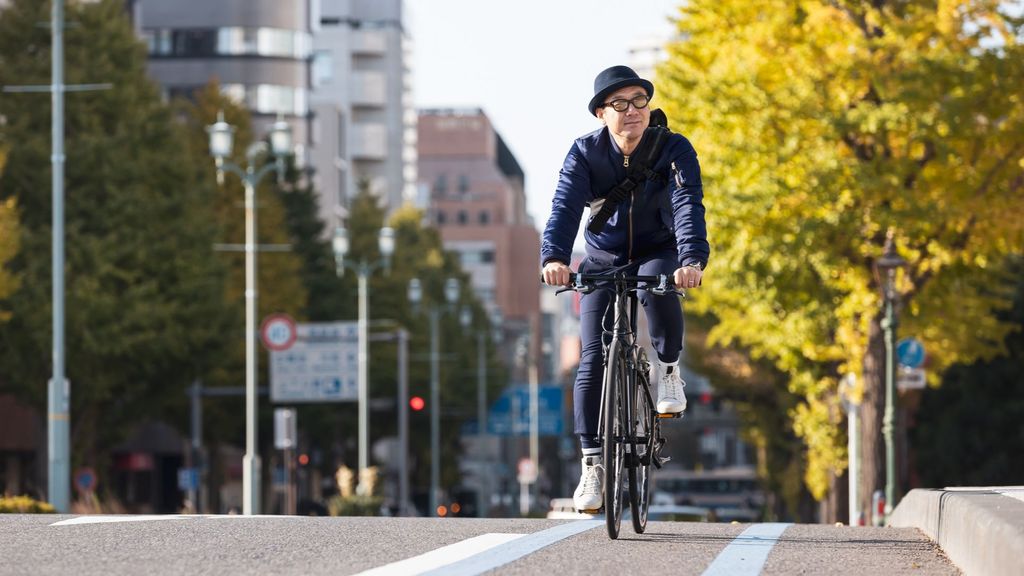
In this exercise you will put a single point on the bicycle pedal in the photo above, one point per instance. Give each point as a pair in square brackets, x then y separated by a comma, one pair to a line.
[591, 511]
[670, 414]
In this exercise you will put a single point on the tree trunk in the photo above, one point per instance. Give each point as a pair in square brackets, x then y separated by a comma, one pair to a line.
[872, 409]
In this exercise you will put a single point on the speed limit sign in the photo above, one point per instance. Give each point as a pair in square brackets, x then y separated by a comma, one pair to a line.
[278, 332]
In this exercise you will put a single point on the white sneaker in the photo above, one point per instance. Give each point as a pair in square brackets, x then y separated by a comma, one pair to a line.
[589, 493]
[671, 399]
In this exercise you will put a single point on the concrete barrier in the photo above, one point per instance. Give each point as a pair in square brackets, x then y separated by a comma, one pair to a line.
[980, 529]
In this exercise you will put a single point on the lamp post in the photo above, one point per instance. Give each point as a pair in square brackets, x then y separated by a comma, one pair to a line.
[363, 269]
[221, 144]
[886, 267]
[466, 319]
[451, 294]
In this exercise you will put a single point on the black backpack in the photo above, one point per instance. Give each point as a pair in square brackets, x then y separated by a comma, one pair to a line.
[638, 172]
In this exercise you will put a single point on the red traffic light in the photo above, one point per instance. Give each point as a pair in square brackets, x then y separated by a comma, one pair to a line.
[416, 403]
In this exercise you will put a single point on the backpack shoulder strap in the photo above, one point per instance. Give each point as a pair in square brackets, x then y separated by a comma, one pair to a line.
[640, 169]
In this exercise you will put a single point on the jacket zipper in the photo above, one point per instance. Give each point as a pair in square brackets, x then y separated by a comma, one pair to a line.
[629, 251]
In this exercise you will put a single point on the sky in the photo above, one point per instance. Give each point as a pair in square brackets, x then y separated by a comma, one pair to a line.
[530, 65]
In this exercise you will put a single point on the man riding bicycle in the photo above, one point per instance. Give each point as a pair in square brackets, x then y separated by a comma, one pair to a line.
[646, 218]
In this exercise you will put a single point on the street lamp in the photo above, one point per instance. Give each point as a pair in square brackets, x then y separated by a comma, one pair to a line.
[466, 320]
[885, 268]
[363, 269]
[221, 144]
[451, 295]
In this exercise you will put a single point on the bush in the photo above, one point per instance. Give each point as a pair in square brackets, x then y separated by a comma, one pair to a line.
[355, 505]
[24, 505]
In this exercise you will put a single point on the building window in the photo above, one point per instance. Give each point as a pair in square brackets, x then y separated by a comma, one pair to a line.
[269, 98]
[463, 217]
[463, 183]
[485, 217]
[440, 218]
[441, 184]
[323, 68]
[229, 41]
[487, 256]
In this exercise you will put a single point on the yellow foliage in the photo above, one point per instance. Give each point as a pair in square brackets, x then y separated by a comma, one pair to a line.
[24, 505]
[820, 125]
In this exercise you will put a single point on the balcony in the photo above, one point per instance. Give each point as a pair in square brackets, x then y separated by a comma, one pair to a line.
[369, 88]
[369, 42]
[369, 141]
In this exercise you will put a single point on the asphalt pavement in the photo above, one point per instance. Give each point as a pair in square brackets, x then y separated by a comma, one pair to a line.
[157, 546]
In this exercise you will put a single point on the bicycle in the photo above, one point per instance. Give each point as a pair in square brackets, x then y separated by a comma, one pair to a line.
[629, 426]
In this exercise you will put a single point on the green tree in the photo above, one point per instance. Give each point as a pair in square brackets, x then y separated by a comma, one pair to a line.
[9, 237]
[143, 290]
[821, 126]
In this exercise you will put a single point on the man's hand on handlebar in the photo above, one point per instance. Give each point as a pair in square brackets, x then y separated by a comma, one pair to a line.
[687, 277]
[556, 274]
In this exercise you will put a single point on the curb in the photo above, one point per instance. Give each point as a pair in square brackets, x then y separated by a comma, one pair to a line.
[980, 529]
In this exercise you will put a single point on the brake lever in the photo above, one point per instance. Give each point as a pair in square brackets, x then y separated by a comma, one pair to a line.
[560, 290]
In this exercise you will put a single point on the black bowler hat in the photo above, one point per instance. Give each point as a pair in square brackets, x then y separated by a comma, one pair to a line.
[611, 79]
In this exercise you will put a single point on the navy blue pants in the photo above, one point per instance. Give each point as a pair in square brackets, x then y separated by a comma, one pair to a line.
[597, 311]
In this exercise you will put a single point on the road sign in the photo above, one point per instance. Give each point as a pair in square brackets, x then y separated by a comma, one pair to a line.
[910, 352]
[85, 480]
[527, 471]
[285, 429]
[910, 378]
[278, 332]
[188, 479]
[321, 366]
[510, 414]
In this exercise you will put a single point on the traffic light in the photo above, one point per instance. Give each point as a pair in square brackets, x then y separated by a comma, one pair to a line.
[416, 403]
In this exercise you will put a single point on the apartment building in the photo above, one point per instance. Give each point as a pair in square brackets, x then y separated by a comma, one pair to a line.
[364, 121]
[477, 201]
[336, 70]
[258, 50]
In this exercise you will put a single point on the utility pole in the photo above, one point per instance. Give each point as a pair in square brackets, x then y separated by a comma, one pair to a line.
[58, 388]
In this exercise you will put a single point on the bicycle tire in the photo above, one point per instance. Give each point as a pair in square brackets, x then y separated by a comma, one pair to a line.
[613, 449]
[642, 434]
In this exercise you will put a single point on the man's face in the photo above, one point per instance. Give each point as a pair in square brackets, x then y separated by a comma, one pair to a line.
[631, 122]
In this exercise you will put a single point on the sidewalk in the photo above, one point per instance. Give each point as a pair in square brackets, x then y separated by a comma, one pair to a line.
[981, 529]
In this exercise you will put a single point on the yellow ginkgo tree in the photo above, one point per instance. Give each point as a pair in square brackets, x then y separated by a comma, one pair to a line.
[822, 125]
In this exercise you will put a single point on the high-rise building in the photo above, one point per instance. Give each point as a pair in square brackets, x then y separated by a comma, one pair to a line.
[364, 122]
[336, 69]
[477, 201]
[258, 50]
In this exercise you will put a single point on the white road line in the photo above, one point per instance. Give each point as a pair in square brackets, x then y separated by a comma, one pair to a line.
[746, 555]
[442, 556]
[514, 550]
[112, 518]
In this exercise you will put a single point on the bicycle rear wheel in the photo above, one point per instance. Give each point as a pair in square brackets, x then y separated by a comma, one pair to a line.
[613, 447]
[641, 433]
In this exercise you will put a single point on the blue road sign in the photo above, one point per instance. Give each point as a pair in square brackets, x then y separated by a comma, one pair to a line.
[510, 414]
[85, 479]
[188, 479]
[910, 352]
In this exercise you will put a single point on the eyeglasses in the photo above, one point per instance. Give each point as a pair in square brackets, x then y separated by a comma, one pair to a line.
[621, 104]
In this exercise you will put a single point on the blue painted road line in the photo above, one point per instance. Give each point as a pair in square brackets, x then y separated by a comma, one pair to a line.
[746, 555]
[514, 550]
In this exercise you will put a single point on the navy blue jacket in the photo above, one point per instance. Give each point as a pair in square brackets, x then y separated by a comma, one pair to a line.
[668, 215]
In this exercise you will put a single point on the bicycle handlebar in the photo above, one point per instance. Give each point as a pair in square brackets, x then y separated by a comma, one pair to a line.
[586, 283]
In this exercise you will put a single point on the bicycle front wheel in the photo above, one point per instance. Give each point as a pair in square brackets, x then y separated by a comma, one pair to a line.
[641, 435]
[613, 440]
